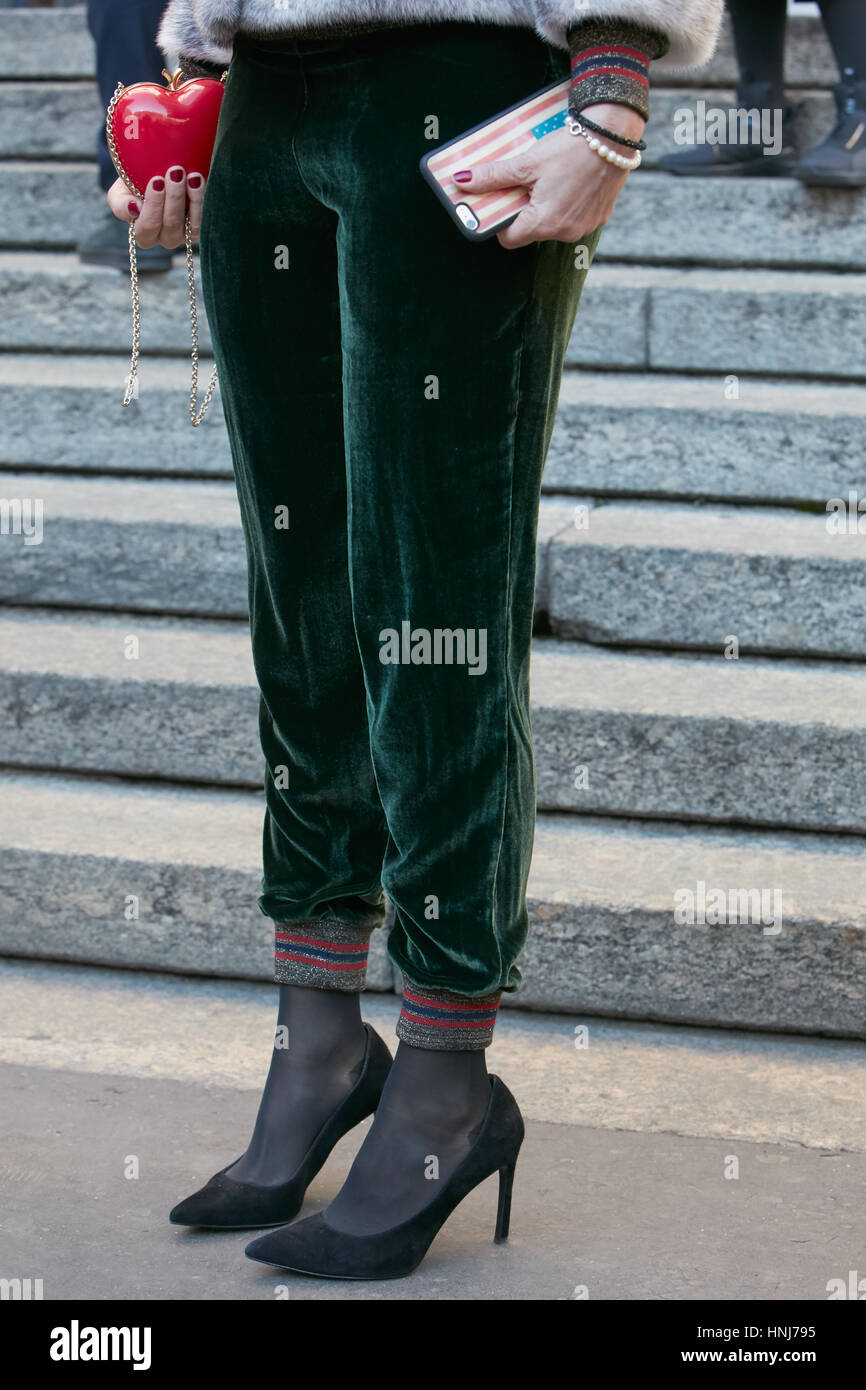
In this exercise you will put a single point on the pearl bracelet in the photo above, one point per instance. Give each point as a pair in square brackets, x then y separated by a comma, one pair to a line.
[603, 151]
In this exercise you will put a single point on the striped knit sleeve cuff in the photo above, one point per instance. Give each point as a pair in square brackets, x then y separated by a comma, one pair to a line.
[323, 953]
[441, 1021]
[610, 63]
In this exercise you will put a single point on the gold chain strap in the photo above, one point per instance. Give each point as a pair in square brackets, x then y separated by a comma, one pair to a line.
[196, 415]
[195, 418]
[136, 319]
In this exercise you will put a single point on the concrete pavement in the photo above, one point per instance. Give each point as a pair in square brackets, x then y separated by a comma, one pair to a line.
[625, 1188]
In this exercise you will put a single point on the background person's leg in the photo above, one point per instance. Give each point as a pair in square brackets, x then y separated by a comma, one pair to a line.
[124, 33]
[845, 23]
[840, 160]
[759, 38]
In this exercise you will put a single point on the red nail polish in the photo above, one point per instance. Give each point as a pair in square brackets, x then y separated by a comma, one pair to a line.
[132, 207]
[175, 175]
[158, 184]
[463, 177]
[194, 180]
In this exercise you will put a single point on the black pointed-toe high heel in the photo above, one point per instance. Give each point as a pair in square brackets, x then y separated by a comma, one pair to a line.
[226, 1204]
[313, 1247]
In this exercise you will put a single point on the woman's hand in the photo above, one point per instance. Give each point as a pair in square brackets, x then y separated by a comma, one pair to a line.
[572, 190]
[159, 216]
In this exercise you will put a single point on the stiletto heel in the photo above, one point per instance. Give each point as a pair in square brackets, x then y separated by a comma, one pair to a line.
[503, 1211]
[226, 1204]
[315, 1247]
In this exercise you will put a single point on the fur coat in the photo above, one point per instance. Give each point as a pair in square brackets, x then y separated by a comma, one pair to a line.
[206, 28]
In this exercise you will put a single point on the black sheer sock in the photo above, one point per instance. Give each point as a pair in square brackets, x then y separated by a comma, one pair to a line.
[845, 23]
[432, 1104]
[318, 1054]
[759, 38]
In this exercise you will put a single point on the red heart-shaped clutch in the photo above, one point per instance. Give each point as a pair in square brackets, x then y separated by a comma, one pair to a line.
[149, 128]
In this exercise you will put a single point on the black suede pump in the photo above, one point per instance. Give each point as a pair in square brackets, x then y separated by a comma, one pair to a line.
[313, 1247]
[225, 1204]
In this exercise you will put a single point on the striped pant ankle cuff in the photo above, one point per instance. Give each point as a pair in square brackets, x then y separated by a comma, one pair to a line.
[440, 1020]
[324, 954]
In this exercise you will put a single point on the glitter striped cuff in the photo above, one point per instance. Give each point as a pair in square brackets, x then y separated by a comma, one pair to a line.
[442, 1021]
[610, 63]
[325, 954]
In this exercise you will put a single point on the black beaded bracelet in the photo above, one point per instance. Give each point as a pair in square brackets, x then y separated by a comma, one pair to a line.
[608, 134]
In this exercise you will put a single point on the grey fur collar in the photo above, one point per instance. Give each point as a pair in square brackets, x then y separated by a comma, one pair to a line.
[206, 28]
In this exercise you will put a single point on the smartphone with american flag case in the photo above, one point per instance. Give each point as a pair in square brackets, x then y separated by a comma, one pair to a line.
[511, 133]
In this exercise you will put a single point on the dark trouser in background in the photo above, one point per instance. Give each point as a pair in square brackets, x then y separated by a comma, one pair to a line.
[389, 390]
[124, 32]
[759, 34]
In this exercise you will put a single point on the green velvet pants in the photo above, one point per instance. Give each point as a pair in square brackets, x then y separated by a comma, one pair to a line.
[389, 390]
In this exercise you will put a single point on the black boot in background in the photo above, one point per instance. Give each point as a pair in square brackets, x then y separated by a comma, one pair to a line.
[108, 244]
[742, 159]
[840, 162]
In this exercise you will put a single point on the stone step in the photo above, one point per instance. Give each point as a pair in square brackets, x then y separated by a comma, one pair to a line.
[767, 322]
[685, 576]
[682, 436]
[49, 301]
[48, 203]
[674, 319]
[80, 697]
[624, 573]
[114, 543]
[60, 120]
[154, 546]
[159, 1027]
[701, 739]
[166, 878]
[604, 938]
[198, 900]
[615, 433]
[64, 411]
[659, 219]
[44, 44]
[696, 739]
